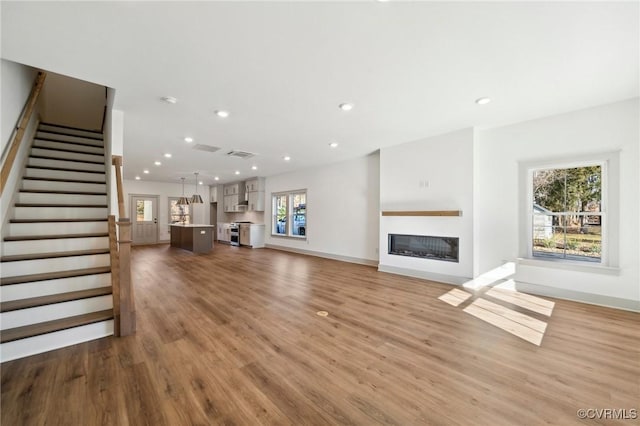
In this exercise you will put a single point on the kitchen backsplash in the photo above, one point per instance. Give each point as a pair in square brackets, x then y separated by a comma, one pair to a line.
[255, 217]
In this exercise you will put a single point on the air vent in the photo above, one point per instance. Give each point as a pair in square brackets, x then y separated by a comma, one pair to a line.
[240, 154]
[208, 148]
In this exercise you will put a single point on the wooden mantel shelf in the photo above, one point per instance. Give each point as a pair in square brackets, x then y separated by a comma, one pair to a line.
[423, 213]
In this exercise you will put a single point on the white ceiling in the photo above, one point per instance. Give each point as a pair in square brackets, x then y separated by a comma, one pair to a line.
[412, 70]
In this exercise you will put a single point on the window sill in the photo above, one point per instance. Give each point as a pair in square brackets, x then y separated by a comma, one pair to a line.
[569, 266]
[290, 237]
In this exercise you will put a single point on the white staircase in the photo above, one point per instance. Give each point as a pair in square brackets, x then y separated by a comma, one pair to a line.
[55, 283]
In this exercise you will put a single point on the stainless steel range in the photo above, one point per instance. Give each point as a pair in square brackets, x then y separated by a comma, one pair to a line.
[234, 230]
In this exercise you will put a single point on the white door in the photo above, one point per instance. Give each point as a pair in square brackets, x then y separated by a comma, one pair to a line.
[144, 217]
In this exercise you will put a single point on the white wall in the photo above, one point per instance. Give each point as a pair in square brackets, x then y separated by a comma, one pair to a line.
[200, 212]
[498, 152]
[342, 208]
[430, 174]
[16, 82]
[72, 102]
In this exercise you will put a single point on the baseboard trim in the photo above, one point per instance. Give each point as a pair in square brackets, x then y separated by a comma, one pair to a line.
[578, 296]
[431, 276]
[349, 259]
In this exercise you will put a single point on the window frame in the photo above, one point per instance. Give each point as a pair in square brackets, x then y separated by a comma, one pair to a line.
[609, 163]
[188, 215]
[289, 214]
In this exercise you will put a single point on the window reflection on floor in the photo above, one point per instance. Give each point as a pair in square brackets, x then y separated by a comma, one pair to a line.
[493, 298]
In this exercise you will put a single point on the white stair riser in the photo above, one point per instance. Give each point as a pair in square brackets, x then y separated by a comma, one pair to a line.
[64, 155]
[38, 143]
[41, 266]
[44, 198]
[61, 174]
[43, 162]
[50, 341]
[11, 248]
[55, 311]
[67, 131]
[60, 212]
[49, 287]
[69, 138]
[57, 228]
[50, 185]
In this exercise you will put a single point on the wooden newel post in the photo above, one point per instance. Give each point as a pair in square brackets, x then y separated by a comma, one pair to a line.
[127, 301]
[124, 303]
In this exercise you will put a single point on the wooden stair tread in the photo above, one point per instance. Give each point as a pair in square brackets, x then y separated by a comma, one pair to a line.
[55, 325]
[73, 160]
[91, 219]
[75, 151]
[97, 206]
[63, 169]
[54, 275]
[53, 255]
[64, 180]
[33, 302]
[48, 191]
[62, 126]
[46, 139]
[54, 237]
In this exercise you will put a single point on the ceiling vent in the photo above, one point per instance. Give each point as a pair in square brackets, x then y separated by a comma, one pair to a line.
[240, 154]
[208, 148]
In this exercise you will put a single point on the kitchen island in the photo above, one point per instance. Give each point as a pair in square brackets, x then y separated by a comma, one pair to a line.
[192, 237]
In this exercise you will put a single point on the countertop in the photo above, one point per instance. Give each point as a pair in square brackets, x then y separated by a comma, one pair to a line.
[191, 225]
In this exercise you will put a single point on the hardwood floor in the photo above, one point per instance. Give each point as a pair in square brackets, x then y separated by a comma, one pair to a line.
[232, 337]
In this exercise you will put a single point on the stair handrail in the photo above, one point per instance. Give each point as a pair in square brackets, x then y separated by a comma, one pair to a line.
[23, 122]
[123, 297]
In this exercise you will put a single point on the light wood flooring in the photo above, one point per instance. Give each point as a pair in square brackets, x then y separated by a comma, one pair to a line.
[232, 337]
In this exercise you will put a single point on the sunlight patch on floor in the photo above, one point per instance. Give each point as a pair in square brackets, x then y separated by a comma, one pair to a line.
[455, 297]
[526, 301]
[498, 285]
[491, 277]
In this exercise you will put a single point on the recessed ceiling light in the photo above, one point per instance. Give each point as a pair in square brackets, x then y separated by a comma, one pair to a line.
[222, 113]
[145, 171]
[483, 101]
[254, 167]
[157, 163]
[167, 155]
[137, 177]
[333, 144]
[346, 107]
[286, 158]
[188, 139]
[237, 172]
[200, 183]
[169, 99]
[216, 178]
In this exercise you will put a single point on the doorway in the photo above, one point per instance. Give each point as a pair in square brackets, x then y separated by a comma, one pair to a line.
[213, 219]
[144, 219]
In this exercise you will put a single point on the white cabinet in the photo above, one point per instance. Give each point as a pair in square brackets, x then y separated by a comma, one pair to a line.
[256, 201]
[254, 185]
[255, 190]
[252, 235]
[213, 193]
[224, 232]
[233, 194]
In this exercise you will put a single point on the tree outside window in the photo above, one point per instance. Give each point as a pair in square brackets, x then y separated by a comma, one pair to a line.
[567, 216]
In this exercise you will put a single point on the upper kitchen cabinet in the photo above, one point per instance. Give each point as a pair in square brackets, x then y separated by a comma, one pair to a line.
[255, 194]
[254, 185]
[213, 192]
[234, 189]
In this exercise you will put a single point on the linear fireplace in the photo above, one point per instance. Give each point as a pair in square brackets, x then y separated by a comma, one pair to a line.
[425, 247]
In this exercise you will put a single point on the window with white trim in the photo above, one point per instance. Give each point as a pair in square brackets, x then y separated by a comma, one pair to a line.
[289, 217]
[178, 213]
[567, 212]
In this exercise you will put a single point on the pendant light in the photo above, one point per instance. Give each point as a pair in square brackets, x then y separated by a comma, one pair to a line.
[183, 201]
[196, 199]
